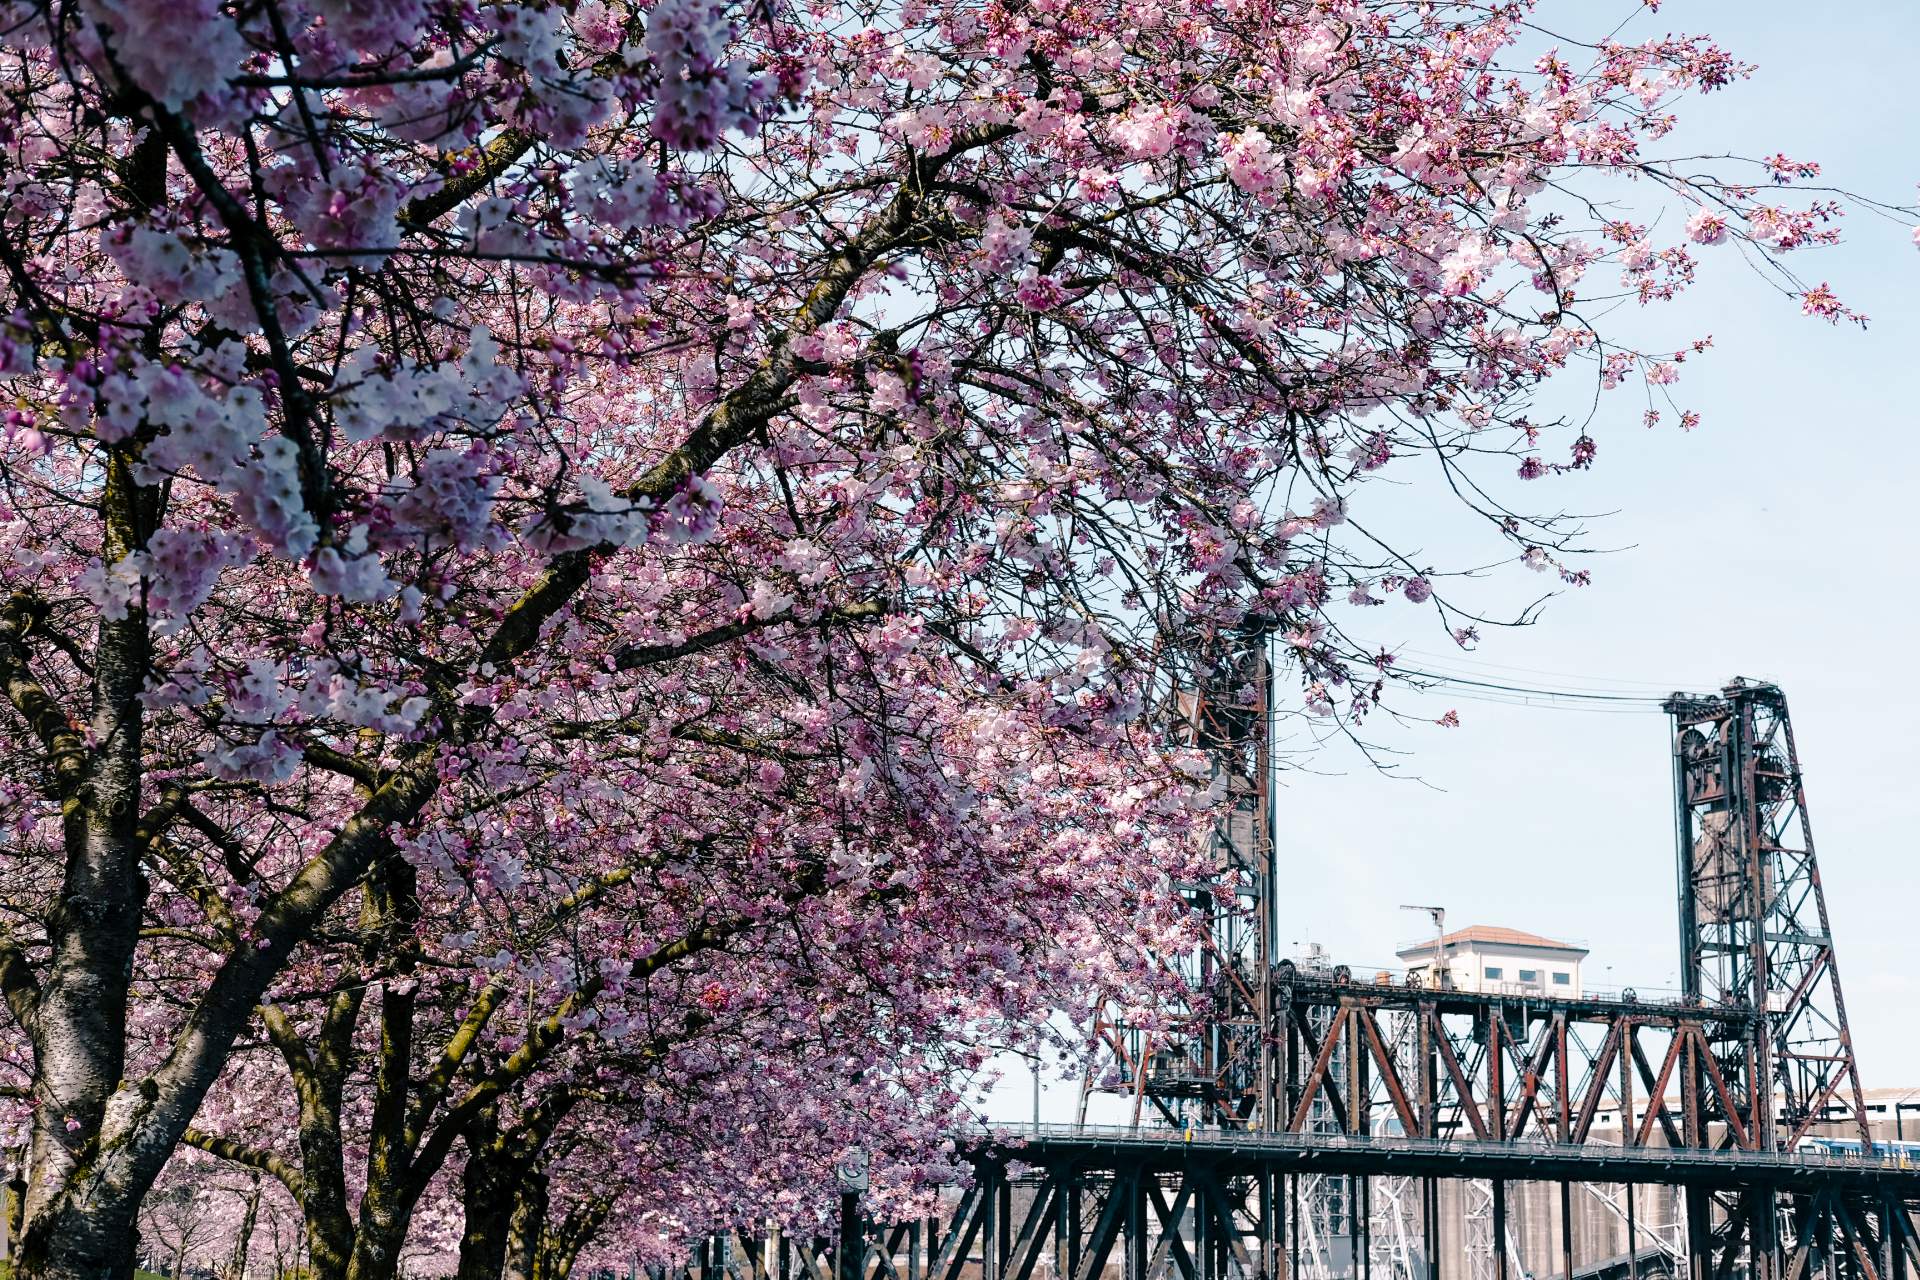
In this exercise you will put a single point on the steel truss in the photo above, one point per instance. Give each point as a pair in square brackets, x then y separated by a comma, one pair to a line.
[1754, 936]
[1113, 1210]
[1207, 1063]
[1495, 1068]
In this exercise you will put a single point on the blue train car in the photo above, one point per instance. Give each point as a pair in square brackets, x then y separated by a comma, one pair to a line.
[1905, 1154]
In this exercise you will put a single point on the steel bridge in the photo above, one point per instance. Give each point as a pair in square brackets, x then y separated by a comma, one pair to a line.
[1286, 1098]
[1081, 1202]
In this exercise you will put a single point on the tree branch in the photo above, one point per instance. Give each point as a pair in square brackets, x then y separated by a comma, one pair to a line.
[433, 1089]
[65, 748]
[20, 989]
[251, 1157]
[635, 656]
[746, 410]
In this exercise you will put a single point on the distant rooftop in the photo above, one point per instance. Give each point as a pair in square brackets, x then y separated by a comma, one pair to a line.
[1491, 935]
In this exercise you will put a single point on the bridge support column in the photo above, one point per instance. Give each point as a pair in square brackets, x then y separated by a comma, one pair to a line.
[1008, 1227]
[1134, 1188]
[1633, 1239]
[1269, 1261]
[853, 1238]
[1699, 1233]
[1898, 1228]
[990, 1227]
[1202, 1214]
[1763, 1234]
[1366, 1229]
[1293, 1209]
[1066, 1226]
[1430, 1226]
[1500, 1229]
[1566, 1231]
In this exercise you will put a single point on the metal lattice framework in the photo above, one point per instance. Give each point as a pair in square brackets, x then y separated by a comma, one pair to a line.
[1754, 932]
[1755, 937]
[1486, 1067]
[1082, 1203]
[1208, 1063]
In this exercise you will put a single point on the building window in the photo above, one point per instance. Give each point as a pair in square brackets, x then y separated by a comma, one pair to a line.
[1529, 975]
[1493, 972]
[1562, 979]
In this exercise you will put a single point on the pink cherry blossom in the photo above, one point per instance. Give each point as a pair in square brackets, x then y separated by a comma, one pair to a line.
[1707, 227]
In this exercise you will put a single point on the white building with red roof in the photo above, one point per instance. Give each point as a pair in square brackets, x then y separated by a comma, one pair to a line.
[1484, 957]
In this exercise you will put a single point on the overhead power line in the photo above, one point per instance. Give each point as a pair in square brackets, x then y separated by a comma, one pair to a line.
[1512, 693]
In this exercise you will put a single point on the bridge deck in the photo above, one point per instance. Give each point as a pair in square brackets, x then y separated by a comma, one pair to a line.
[1228, 1151]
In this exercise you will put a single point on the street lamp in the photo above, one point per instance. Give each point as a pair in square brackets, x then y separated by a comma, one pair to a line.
[851, 1175]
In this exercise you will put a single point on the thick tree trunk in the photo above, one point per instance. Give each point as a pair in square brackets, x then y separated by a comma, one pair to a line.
[325, 1221]
[557, 1256]
[486, 1201]
[524, 1232]
[386, 1206]
[78, 1223]
[560, 1246]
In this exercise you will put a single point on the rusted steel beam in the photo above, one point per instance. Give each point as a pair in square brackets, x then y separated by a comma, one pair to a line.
[1814, 1111]
[1389, 1074]
[1657, 1093]
[1562, 1087]
[1359, 1093]
[1858, 1243]
[1531, 1067]
[1496, 1082]
[1742, 1135]
[1686, 1043]
[1597, 1086]
[1451, 1002]
[1428, 1068]
[1463, 1088]
[1316, 1077]
[1625, 1054]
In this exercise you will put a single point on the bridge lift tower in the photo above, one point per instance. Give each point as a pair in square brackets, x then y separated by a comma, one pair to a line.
[1755, 936]
[1211, 1064]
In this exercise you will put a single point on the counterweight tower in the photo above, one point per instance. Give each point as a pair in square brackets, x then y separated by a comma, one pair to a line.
[1755, 938]
[1210, 1065]
[1754, 932]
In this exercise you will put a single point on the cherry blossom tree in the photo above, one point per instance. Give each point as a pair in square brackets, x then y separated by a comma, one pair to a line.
[508, 1008]
[540, 533]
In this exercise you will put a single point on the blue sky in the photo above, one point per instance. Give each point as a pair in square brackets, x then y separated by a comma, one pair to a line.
[1776, 541]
